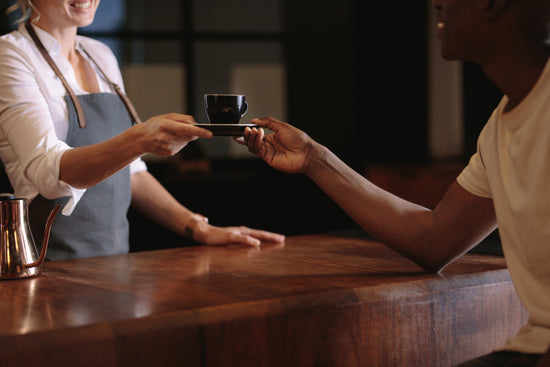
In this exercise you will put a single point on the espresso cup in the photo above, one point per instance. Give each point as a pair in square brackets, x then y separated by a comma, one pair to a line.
[225, 108]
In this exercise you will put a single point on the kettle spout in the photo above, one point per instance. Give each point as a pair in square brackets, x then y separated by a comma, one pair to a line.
[46, 238]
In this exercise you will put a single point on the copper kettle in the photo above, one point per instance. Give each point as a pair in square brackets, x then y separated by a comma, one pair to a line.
[18, 255]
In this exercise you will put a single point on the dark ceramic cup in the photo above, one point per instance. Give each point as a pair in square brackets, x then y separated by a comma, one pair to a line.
[225, 108]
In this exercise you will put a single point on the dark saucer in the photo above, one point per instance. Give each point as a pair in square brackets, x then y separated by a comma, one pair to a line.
[226, 129]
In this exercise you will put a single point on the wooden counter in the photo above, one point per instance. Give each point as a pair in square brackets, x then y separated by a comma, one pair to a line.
[318, 300]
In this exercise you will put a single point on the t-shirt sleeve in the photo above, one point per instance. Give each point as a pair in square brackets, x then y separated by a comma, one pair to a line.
[474, 177]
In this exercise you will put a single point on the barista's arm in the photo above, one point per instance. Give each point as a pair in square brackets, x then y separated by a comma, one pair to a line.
[84, 167]
[152, 199]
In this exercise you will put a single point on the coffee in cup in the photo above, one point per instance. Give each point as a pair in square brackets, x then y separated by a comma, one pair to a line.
[225, 108]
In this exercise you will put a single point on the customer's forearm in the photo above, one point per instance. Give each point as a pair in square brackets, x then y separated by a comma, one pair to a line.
[384, 215]
[431, 238]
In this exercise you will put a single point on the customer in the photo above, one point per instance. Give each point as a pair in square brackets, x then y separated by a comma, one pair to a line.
[83, 151]
[506, 183]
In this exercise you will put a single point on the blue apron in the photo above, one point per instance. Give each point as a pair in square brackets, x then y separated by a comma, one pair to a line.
[98, 225]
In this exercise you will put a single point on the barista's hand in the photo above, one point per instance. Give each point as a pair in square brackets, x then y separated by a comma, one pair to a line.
[288, 149]
[166, 135]
[212, 235]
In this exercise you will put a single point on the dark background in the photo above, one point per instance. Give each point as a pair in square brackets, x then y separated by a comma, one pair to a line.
[357, 81]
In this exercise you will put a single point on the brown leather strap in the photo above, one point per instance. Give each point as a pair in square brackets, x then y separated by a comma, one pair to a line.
[118, 90]
[80, 113]
[129, 106]
[47, 57]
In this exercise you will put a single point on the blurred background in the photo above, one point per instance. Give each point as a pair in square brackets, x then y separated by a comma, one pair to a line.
[363, 78]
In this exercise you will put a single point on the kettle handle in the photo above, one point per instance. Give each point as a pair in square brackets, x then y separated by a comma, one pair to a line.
[46, 237]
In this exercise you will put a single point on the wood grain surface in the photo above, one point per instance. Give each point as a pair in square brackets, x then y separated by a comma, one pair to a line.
[316, 300]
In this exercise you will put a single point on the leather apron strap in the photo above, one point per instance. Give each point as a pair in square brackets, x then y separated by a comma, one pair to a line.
[118, 90]
[47, 57]
[74, 99]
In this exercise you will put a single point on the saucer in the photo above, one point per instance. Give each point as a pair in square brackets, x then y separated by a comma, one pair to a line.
[226, 129]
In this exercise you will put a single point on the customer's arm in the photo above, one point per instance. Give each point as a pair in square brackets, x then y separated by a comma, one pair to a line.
[431, 238]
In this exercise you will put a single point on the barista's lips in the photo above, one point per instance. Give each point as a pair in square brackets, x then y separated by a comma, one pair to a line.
[81, 5]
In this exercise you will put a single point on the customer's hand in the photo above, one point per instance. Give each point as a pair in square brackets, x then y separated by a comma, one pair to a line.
[288, 149]
[166, 135]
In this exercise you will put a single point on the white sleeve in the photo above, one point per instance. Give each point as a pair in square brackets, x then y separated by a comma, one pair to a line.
[474, 177]
[28, 142]
[137, 166]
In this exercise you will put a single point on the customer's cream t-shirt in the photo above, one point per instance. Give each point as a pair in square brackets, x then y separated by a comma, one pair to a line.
[512, 166]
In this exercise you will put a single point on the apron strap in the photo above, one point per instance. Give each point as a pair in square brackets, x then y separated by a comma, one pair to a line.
[74, 98]
[47, 57]
[118, 90]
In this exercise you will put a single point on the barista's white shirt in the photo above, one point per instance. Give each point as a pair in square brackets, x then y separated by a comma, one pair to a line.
[33, 112]
[512, 165]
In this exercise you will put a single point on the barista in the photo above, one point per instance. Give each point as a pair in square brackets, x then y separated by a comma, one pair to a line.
[69, 135]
